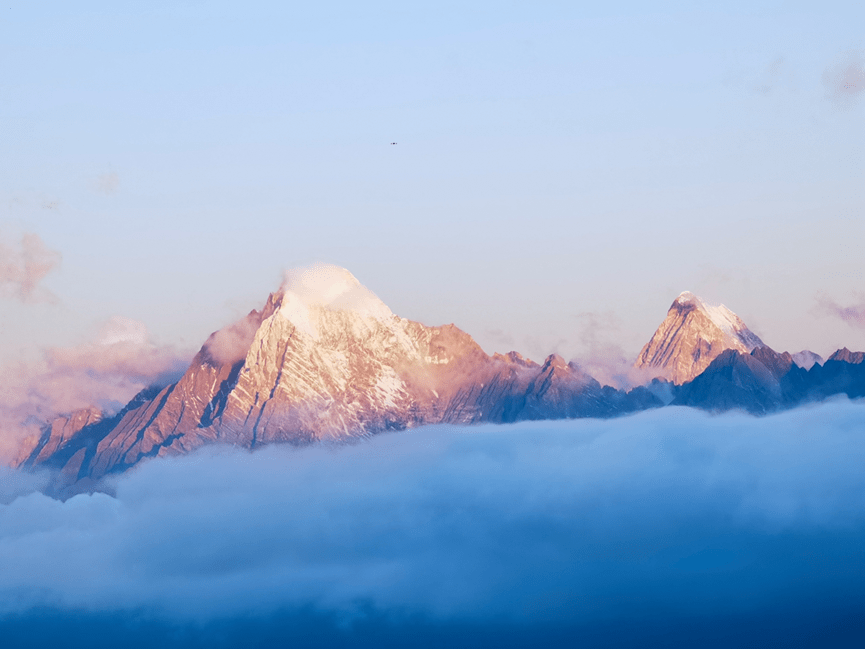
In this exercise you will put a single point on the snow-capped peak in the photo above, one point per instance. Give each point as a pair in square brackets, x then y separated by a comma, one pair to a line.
[686, 297]
[306, 291]
[806, 359]
[723, 318]
[691, 336]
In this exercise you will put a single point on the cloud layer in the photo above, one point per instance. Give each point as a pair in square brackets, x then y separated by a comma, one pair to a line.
[664, 517]
[105, 373]
[24, 266]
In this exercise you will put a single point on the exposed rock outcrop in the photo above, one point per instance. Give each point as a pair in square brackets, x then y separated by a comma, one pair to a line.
[691, 336]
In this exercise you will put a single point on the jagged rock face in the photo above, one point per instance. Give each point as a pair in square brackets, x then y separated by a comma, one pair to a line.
[839, 375]
[844, 354]
[336, 373]
[765, 381]
[331, 361]
[61, 430]
[734, 380]
[691, 336]
[777, 364]
[760, 382]
[326, 359]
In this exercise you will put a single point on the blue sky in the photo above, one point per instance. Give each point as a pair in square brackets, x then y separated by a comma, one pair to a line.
[563, 170]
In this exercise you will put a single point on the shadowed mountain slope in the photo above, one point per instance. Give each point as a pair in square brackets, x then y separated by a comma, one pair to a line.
[765, 381]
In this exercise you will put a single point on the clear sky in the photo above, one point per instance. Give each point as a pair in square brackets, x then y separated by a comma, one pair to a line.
[562, 172]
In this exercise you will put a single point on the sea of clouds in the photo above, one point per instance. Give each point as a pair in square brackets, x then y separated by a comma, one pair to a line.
[668, 527]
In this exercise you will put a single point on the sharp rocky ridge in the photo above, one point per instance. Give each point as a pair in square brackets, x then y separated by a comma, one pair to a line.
[692, 335]
[325, 359]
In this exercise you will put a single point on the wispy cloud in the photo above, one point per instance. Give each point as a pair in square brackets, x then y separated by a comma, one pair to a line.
[23, 266]
[230, 344]
[853, 315]
[602, 358]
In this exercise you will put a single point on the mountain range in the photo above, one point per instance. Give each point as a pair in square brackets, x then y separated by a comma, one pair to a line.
[325, 359]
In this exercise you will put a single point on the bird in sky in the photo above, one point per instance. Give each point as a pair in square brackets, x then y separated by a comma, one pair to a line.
[393, 142]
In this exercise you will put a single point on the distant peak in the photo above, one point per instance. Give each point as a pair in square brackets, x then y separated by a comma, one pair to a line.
[721, 317]
[847, 356]
[693, 333]
[806, 359]
[555, 361]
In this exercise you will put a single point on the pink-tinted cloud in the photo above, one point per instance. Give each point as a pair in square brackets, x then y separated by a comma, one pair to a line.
[105, 373]
[229, 345]
[845, 79]
[853, 315]
[24, 266]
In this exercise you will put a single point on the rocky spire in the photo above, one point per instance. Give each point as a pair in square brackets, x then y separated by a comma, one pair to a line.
[691, 336]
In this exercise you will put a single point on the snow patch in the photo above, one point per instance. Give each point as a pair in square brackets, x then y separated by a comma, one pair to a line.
[806, 359]
[335, 288]
[296, 311]
[326, 287]
[723, 318]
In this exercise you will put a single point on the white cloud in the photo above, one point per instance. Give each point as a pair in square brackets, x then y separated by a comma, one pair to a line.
[105, 373]
[668, 513]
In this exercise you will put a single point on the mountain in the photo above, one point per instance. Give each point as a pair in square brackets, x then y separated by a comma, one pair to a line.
[326, 359]
[759, 382]
[62, 429]
[691, 336]
[765, 381]
[806, 359]
[844, 354]
[842, 373]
